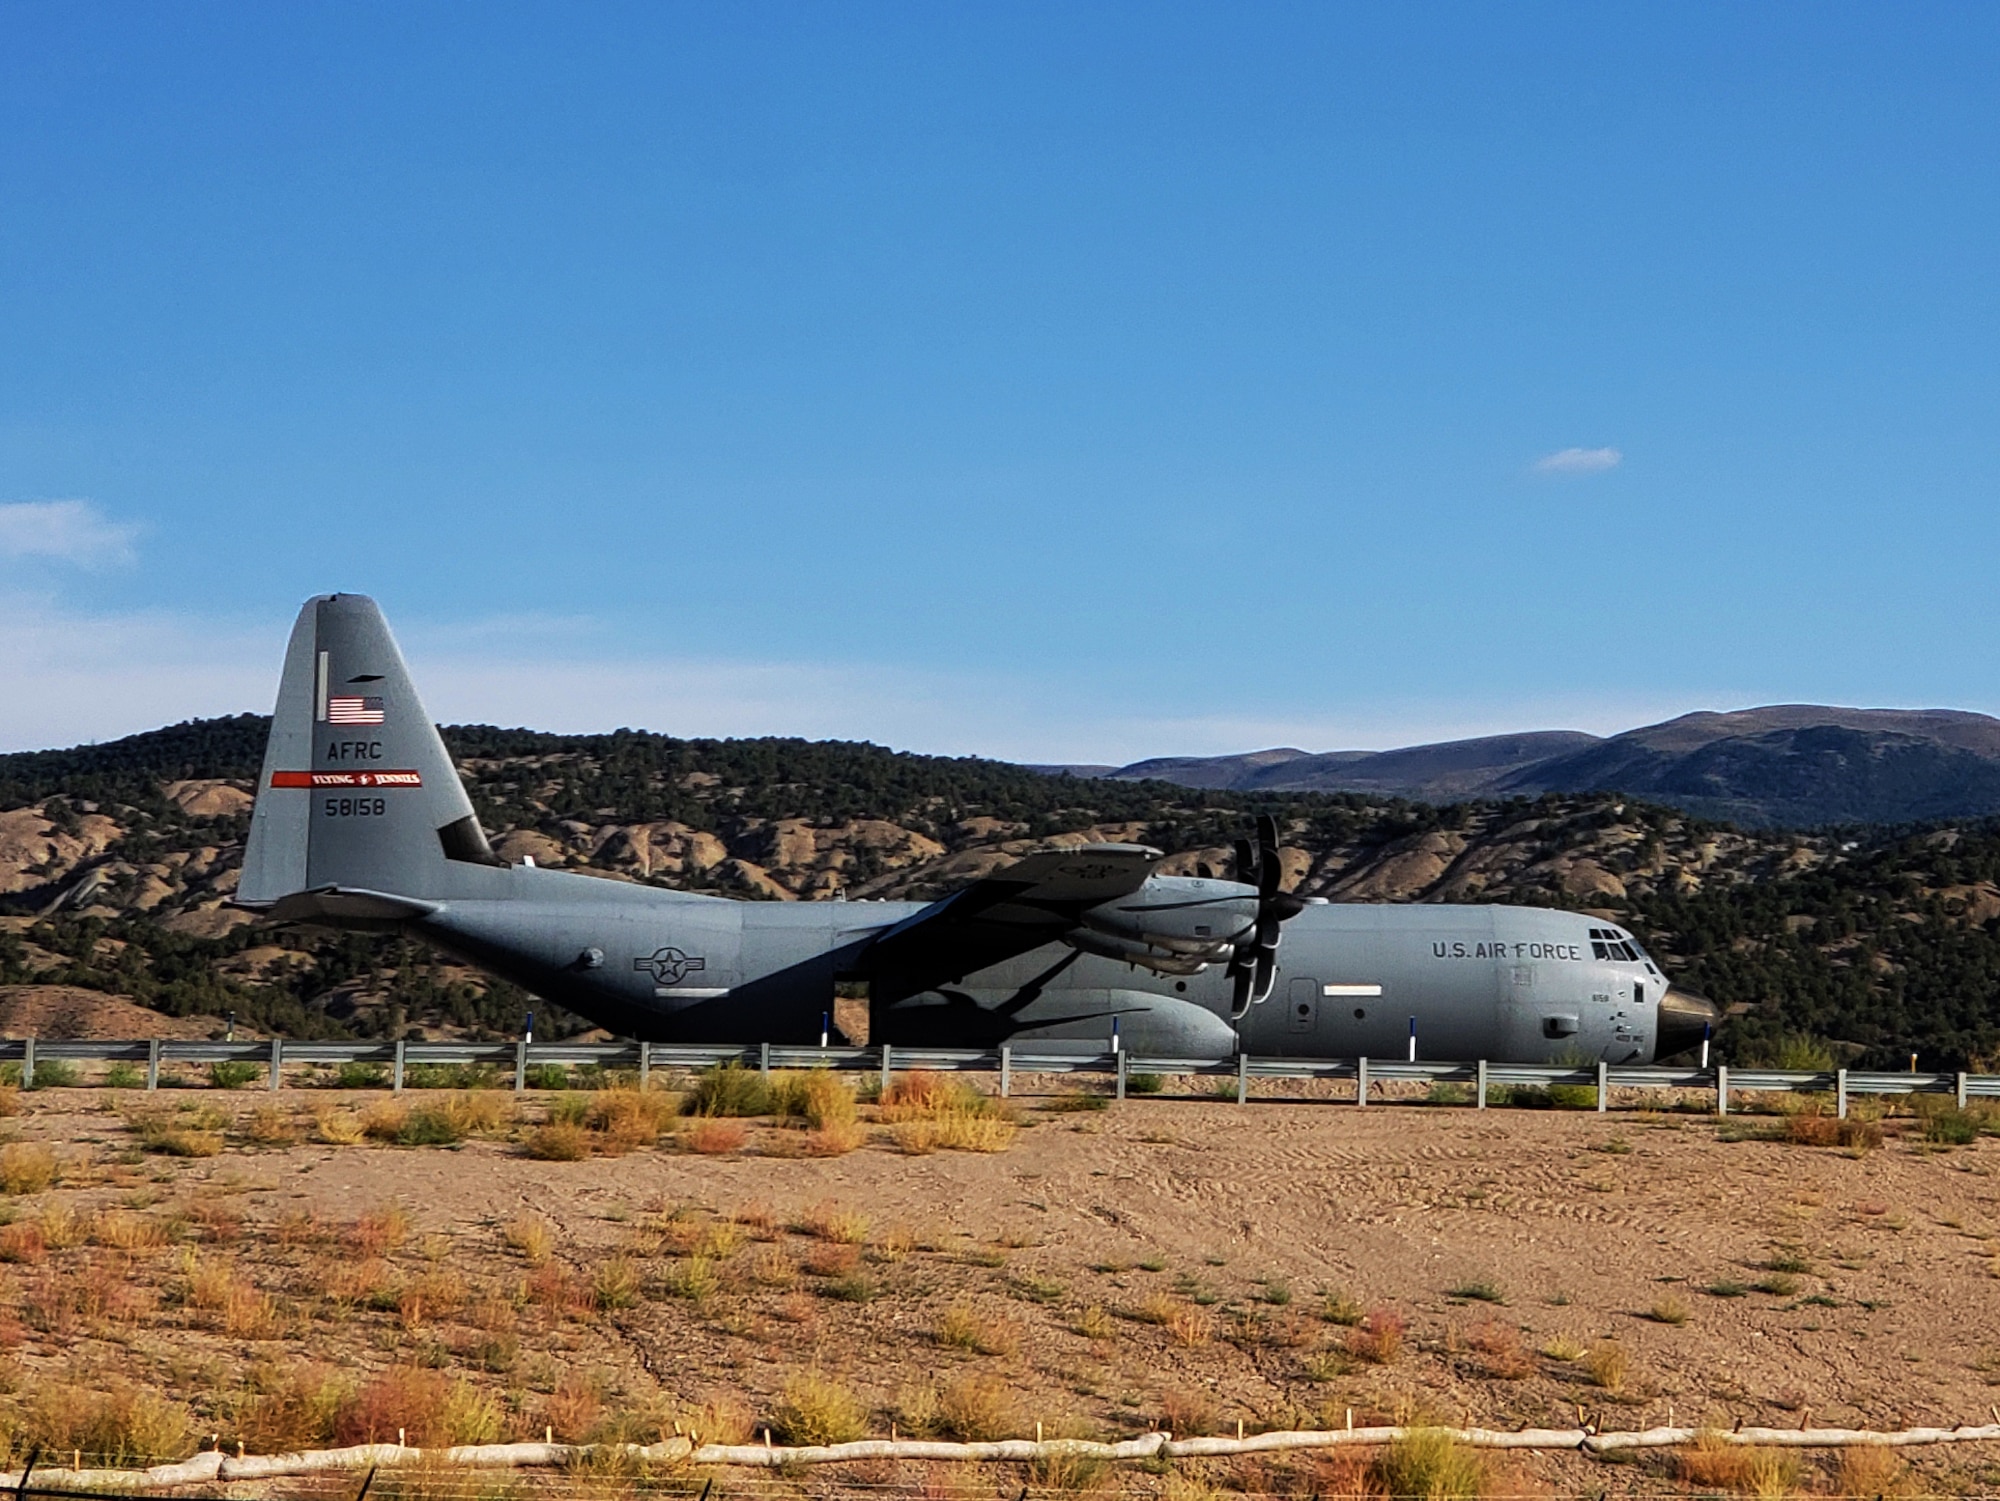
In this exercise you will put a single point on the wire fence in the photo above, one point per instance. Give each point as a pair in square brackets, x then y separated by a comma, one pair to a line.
[1482, 1083]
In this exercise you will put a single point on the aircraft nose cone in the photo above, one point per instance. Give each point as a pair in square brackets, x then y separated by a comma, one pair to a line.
[1685, 1018]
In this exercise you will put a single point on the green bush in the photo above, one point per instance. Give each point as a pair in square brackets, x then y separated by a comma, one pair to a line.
[452, 1076]
[360, 1076]
[547, 1076]
[1573, 1096]
[431, 1126]
[728, 1089]
[56, 1073]
[1145, 1083]
[124, 1076]
[233, 1074]
[1951, 1128]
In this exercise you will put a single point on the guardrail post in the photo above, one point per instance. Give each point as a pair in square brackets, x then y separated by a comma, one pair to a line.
[1840, 1093]
[1361, 1081]
[1603, 1086]
[1722, 1089]
[1006, 1069]
[764, 1061]
[520, 1065]
[152, 1064]
[277, 1059]
[27, 1063]
[645, 1065]
[396, 1070]
[1242, 1078]
[1961, 1089]
[1121, 1073]
[1482, 1084]
[886, 1070]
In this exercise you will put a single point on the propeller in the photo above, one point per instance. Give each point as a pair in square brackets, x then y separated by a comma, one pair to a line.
[1253, 966]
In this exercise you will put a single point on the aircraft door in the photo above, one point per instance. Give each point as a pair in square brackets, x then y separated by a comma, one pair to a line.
[1302, 1006]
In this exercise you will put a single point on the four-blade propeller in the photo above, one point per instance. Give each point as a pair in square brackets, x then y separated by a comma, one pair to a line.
[1253, 966]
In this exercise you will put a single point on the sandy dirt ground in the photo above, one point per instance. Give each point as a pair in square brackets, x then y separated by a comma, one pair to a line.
[1163, 1259]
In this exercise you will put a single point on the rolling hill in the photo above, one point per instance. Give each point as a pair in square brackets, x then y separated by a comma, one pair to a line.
[1785, 766]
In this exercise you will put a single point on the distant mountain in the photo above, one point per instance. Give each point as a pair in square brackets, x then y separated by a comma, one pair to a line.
[1787, 765]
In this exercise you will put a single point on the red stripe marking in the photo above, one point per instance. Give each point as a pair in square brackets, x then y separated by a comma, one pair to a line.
[347, 779]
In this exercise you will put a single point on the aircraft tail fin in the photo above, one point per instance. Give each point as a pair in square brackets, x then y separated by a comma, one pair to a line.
[357, 790]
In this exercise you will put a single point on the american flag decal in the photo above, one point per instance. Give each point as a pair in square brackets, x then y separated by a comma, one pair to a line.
[349, 709]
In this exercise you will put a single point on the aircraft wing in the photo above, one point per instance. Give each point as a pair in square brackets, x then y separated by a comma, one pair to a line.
[1021, 907]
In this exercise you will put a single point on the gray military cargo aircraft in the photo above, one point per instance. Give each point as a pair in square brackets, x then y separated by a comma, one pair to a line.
[361, 822]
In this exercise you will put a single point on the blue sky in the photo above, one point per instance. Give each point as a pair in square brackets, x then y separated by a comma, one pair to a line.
[1066, 382]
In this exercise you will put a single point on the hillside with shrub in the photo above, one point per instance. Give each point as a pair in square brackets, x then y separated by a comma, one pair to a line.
[116, 862]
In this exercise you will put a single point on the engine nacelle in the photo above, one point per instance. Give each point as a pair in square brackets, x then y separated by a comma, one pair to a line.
[1185, 916]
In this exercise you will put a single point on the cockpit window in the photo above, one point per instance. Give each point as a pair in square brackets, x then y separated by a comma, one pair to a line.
[1605, 943]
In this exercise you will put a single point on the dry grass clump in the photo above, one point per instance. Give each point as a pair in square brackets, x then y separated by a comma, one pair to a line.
[624, 1119]
[1430, 1463]
[298, 1409]
[532, 1236]
[1191, 1327]
[1154, 1308]
[835, 1139]
[339, 1128]
[1188, 1414]
[757, 1220]
[771, 1267]
[559, 1141]
[1378, 1338]
[233, 1306]
[425, 1406]
[1499, 1349]
[575, 1407]
[123, 1230]
[1810, 1129]
[61, 1227]
[1606, 1366]
[439, 1122]
[976, 1409]
[830, 1221]
[817, 1097]
[614, 1283]
[1872, 1470]
[113, 1423]
[715, 1136]
[1712, 1461]
[816, 1409]
[198, 1134]
[1672, 1311]
[380, 1231]
[694, 1278]
[10, 1099]
[963, 1327]
[270, 1126]
[22, 1243]
[929, 1112]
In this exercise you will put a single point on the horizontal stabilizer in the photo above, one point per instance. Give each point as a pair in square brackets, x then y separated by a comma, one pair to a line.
[346, 904]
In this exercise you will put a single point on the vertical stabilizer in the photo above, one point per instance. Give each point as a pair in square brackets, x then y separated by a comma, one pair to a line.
[357, 790]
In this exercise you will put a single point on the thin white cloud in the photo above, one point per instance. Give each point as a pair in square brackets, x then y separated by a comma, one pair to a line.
[68, 531]
[1572, 461]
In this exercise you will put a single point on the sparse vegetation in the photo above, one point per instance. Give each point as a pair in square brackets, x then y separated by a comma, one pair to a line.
[817, 1409]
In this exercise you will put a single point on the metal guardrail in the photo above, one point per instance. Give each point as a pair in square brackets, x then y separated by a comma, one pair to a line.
[519, 1058]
